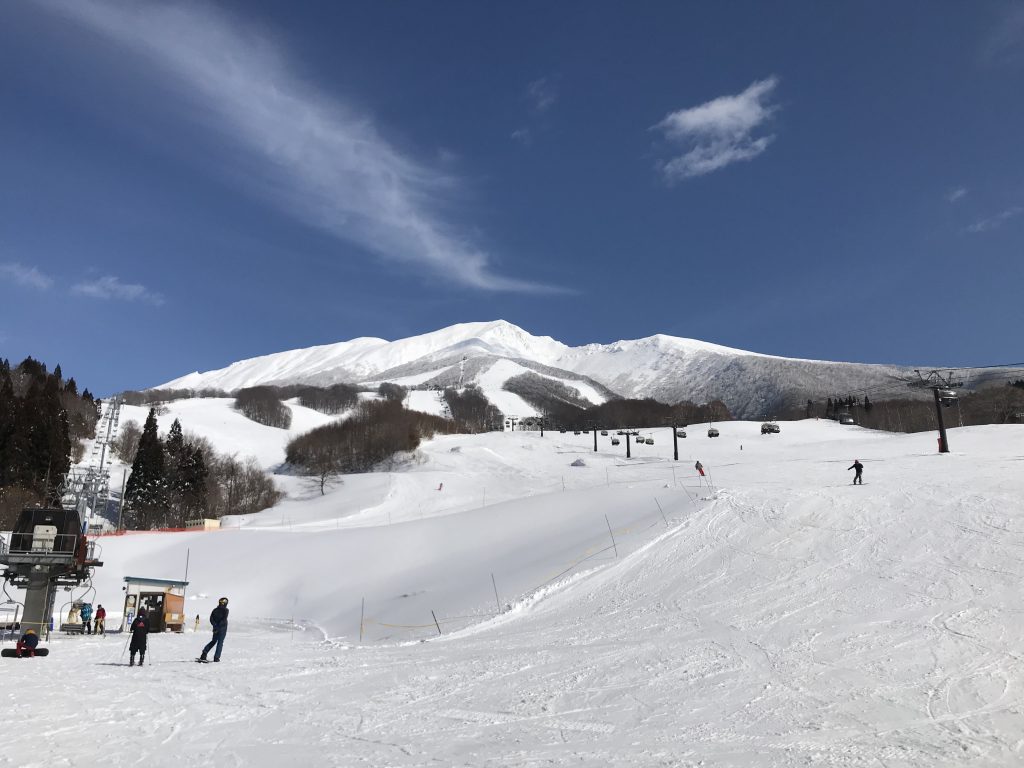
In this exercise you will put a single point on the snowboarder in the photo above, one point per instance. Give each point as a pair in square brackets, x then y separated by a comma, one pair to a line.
[858, 474]
[700, 468]
[219, 621]
[139, 629]
[27, 645]
[100, 621]
[87, 618]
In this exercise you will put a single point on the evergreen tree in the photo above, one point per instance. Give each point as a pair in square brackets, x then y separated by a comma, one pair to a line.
[192, 476]
[145, 494]
[867, 404]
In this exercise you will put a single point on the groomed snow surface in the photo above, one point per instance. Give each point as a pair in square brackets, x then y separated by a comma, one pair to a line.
[789, 619]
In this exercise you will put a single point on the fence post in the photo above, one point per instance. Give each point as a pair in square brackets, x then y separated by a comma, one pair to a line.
[614, 545]
[661, 510]
[496, 599]
[435, 621]
[362, 613]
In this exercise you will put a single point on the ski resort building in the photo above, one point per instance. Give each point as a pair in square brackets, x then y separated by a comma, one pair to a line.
[162, 599]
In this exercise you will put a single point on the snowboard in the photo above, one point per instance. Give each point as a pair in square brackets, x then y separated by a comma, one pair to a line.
[11, 653]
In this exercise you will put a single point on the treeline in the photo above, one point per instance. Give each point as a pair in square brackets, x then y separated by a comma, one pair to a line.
[472, 411]
[182, 478]
[263, 405]
[153, 396]
[564, 407]
[43, 419]
[376, 431]
[991, 405]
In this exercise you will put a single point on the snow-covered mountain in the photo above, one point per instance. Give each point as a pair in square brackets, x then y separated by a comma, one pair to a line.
[667, 368]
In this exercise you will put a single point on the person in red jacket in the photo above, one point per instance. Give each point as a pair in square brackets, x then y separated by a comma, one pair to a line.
[101, 620]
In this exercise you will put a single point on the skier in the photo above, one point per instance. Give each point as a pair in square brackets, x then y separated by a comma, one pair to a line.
[700, 468]
[139, 629]
[858, 474]
[28, 643]
[87, 618]
[101, 620]
[219, 621]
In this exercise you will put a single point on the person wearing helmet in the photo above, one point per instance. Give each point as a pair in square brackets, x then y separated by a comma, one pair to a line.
[28, 643]
[219, 622]
[858, 478]
[140, 634]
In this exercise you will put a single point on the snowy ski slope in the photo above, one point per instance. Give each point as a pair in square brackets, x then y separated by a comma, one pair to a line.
[790, 619]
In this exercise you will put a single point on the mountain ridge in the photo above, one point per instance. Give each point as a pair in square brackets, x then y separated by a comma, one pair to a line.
[667, 368]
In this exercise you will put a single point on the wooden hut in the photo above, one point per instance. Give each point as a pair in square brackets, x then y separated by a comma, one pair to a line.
[162, 599]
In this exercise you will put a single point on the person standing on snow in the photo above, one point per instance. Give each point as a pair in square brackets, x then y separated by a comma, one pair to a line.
[140, 630]
[858, 478]
[219, 621]
[87, 618]
[700, 468]
[101, 620]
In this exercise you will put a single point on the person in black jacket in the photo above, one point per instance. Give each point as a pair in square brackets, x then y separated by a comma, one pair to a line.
[139, 630]
[219, 621]
[858, 475]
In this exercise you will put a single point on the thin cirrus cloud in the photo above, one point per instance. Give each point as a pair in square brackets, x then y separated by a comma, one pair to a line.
[319, 160]
[994, 222]
[542, 94]
[28, 277]
[719, 132]
[110, 288]
[1005, 43]
[956, 194]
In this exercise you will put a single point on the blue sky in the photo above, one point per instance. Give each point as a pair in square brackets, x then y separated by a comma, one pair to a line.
[186, 185]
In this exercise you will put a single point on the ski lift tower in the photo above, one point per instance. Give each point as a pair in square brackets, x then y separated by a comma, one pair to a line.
[48, 549]
[944, 389]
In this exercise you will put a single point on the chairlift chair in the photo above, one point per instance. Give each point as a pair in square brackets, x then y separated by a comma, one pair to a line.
[947, 397]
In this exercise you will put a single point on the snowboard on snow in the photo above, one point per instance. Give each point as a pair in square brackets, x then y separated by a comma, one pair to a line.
[11, 653]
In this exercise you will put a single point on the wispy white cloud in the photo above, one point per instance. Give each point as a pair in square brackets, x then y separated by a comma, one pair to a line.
[29, 277]
[994, 222]
[542, 93]
[111, 288]
[719, 132]
[1005, 43]
[319, 159]
[523, 136]
[955, 194]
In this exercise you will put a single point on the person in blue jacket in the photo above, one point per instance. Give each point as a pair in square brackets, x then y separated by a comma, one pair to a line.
[87, 618]
[219, 621]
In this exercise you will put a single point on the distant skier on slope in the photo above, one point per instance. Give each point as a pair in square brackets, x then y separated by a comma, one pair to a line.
[858, 475]
[100, 622]
[700, 468]
[219, 621]
[140, 632]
